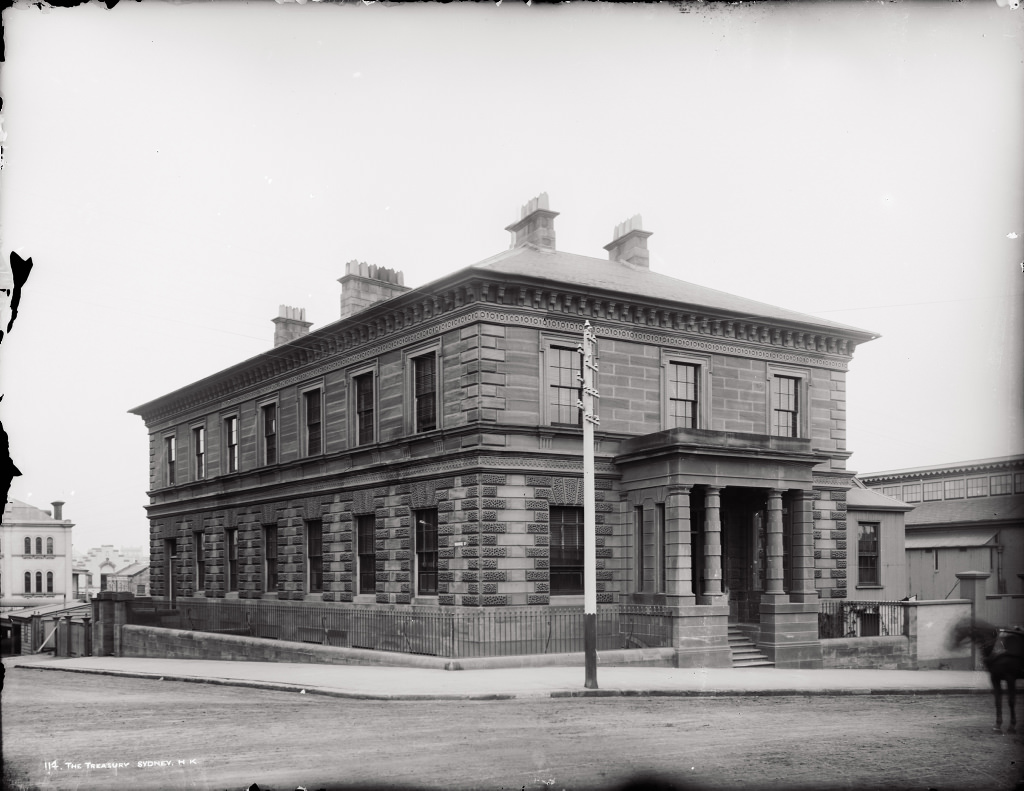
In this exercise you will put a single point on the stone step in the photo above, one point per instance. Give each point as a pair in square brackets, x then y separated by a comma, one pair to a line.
[744, 652]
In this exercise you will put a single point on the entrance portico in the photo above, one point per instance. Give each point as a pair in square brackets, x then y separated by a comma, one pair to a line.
[738, 540]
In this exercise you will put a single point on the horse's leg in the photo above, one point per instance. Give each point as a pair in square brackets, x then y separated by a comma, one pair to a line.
[1011, 696]
[997, 692]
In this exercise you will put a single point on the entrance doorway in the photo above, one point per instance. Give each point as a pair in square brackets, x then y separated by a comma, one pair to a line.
[744, 556]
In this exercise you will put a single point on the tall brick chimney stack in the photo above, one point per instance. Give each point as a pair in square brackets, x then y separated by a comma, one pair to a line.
[57, 513]
[536, 225]
[364, 284]
[290, 324]
[630, 244]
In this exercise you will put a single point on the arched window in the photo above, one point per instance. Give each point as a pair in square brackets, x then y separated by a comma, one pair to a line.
[39, 582]
[28, 545]
[49, 582]
[39, 545]
[49, 546]
[28, 580]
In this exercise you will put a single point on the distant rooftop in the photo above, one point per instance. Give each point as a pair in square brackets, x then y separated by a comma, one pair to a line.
[943, 469]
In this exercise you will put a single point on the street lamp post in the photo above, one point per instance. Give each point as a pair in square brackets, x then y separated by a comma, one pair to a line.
[587, 405]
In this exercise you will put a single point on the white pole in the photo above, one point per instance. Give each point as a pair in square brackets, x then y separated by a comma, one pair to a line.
[588, 406]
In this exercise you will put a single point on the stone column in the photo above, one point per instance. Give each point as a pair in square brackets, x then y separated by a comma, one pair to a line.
[712, 546]
[802, 549]
[678, 561]
[773, 587]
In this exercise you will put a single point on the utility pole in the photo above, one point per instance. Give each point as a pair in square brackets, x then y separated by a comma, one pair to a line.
[587, 405]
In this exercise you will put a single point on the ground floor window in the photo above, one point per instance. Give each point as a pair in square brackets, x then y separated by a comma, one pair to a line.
[566, 550]
[426, 552]
[366, 553]
[867, 554]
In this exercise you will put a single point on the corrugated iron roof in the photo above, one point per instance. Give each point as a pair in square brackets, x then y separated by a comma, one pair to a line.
[982, 509]
[951, 538]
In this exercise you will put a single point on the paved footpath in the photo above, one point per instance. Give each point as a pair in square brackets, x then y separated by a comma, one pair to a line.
[401, 683]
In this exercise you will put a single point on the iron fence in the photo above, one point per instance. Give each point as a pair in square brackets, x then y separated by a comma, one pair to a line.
[510, 631]
[843, 618]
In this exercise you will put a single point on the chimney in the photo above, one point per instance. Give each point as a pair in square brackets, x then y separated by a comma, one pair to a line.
[365, 284]
[630, 245]
[536, 226]
[57, 506]
[290, 324]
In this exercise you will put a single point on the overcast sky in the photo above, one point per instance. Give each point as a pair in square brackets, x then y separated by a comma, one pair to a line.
[177, 171]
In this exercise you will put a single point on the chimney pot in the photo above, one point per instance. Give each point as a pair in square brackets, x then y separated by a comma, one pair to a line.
[536, 226]
[57, 506]
[290, 324]
[630, 243]
[365, 284]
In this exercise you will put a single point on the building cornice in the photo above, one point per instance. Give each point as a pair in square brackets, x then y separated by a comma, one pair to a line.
[471, 296]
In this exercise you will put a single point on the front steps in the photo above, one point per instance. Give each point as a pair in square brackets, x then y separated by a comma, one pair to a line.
[744, 652]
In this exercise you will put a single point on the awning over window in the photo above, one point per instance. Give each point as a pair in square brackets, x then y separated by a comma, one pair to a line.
[951, 538]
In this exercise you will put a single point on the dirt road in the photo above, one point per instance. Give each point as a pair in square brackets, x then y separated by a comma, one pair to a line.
[75, 731]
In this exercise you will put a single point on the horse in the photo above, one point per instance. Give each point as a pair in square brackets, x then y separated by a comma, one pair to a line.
[1002, 652]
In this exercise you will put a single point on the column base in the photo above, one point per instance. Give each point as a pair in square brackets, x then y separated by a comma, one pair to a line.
[700, 636]
[789, 633]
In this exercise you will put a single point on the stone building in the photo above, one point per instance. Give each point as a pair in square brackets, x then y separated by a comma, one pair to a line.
[35, 556]
[425, 450]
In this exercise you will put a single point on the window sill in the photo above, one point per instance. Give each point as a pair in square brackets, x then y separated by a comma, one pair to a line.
[314, 596]
[870, 587]
[269, 595]
[364, 598]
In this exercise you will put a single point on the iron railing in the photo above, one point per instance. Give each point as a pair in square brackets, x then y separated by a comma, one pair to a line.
[843, 618]
[508, 631]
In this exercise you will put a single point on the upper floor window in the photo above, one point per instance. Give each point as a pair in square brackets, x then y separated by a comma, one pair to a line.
[49, 546]
[566, 550]
[683, 394]
[565, 367]
[364, 408]
[39, 582]
[932, 490]
[231, 443]
[867, 554]
[28, 582]
[313, 409]
[891, 491]
[366, 553]
[171, 456]
[28, 545]
[426, 552]
[199, 449]
[977, 487]
[1000, 484]
[268, 423]
[49, 582]
[315, 555]
[39, 546]
[425, 392]
[954, 489]
[1018, 482]
[912, 493]
[785, 414]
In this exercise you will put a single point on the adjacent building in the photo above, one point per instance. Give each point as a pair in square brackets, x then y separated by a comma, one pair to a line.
[967, 516]
[35, 556]
[424, 451]
[103, 562]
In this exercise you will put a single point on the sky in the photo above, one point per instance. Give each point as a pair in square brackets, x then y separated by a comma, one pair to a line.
[177, 171]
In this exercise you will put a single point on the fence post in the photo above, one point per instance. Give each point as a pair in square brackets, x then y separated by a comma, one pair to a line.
[972, 586]
[87, 636]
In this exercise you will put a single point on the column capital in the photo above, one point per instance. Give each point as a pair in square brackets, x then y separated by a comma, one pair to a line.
[713, 489]
[678, 488]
